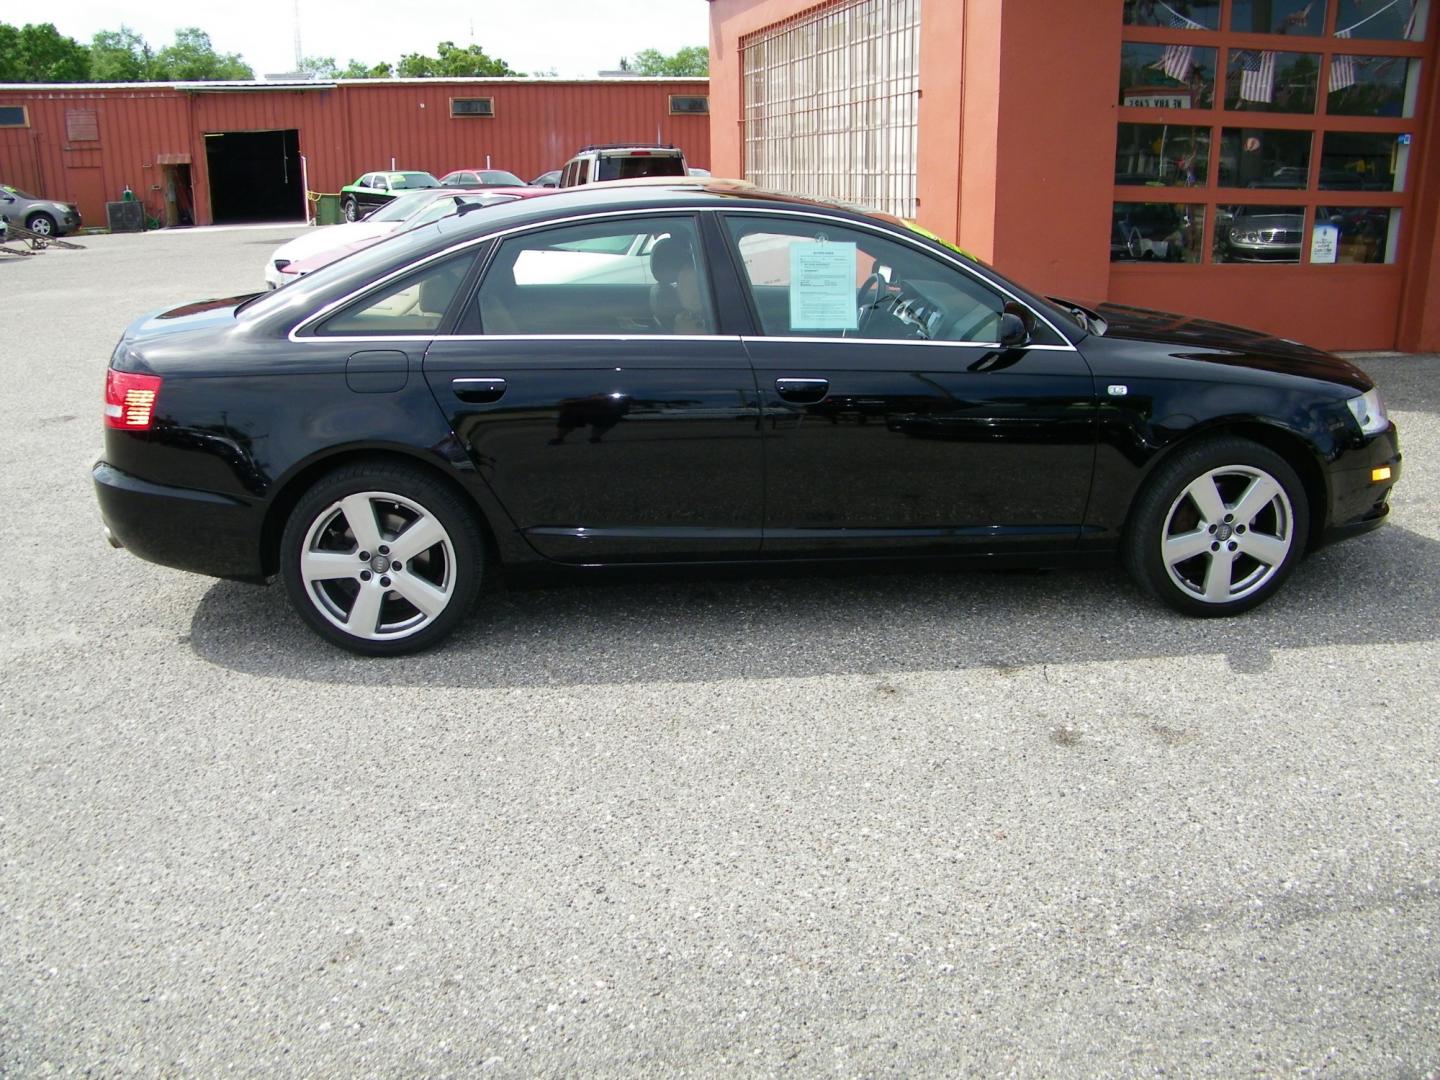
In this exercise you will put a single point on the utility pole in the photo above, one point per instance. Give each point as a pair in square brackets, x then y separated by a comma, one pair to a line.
[299, 56]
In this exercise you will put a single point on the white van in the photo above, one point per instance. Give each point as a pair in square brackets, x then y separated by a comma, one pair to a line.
[622, 161]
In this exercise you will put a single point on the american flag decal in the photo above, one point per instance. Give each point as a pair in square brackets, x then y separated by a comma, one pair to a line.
[1257, 76]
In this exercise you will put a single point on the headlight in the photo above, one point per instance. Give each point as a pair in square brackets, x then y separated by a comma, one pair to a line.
[1369, 412]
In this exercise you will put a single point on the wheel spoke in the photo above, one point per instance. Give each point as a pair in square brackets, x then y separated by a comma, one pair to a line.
[421, 535]
[1257, 496]
[1184, 546]
[360, 515]
[364, 617]
[430, 600]
[1207, 498]
[1270, 550]
[1218, 576]
[328, 565]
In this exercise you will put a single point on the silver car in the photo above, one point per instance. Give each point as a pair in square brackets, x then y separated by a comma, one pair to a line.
[43, 216]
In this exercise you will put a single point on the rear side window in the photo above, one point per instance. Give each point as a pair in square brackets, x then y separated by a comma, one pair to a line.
[630, 168]
[627, 276]
[415, 304]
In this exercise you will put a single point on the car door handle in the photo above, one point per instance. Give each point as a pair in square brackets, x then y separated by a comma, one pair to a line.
[804, 390]
[478, 390]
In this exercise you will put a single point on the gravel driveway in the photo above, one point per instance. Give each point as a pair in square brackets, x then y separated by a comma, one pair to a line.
[883, 825]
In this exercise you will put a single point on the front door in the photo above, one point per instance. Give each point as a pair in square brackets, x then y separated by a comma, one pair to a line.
[895, 422]
[589, 385]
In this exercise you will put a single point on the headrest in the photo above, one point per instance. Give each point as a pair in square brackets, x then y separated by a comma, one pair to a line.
[668, 257]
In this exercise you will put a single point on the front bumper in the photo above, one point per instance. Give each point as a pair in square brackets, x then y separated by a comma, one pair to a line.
[1358, 501]
[199, 531]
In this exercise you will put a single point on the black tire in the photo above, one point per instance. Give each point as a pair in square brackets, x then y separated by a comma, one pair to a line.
[1239, 559]
[42, 223]
[319, 541]
[351, 209]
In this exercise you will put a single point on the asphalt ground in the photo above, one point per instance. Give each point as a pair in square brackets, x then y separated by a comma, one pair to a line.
[878, 824]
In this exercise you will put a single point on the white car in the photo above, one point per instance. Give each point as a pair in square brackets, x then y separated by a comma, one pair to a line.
[404, 212]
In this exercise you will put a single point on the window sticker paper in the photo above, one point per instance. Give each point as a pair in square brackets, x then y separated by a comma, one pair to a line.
[822, 286]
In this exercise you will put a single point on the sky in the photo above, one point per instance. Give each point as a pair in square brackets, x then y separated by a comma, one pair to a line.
[576, 38]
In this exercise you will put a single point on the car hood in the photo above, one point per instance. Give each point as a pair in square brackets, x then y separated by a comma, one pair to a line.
[1202, 339]
[325, 237]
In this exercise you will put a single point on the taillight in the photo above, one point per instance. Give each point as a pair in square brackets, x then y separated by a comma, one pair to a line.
[130, 400]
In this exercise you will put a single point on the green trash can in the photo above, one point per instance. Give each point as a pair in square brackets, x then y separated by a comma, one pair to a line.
[327, 210]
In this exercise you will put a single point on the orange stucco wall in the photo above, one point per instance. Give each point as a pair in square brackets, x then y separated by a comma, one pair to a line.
[1017, 141]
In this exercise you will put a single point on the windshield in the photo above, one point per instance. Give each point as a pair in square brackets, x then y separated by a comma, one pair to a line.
[18, 193]
[629, 168]
[412, 180]
[404, 207]
[499, 176]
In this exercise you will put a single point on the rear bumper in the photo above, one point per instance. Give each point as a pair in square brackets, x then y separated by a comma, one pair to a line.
[198, 531]
[1358, 501]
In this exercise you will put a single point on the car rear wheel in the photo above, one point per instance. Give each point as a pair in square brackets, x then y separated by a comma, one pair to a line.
[381, 559]
[351, 209]
[1218, 529]
[41, 223]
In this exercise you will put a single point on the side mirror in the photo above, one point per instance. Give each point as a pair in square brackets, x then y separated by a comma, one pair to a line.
[1013, 333]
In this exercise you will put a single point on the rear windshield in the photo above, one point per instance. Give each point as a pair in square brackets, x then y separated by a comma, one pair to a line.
[628, 168]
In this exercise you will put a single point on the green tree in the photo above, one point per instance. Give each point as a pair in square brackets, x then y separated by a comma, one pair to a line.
[192, 58]
[691, 60]
[357, 70]
[119, 56]
[321, 67]
[38, 53]
[453, 62]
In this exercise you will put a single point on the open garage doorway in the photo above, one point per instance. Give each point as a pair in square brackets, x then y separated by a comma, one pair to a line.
[254, 176]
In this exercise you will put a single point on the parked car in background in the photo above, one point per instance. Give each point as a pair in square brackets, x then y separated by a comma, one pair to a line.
[695, 171]
[378, 188]
[481, 178]
[308, 253]
[43, 216]
[547, 179]
[621, 161]
[497, 388]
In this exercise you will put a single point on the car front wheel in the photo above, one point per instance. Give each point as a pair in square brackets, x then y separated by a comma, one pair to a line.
[381, 559]
[1218, 529]
[41, 224]
[351, 209]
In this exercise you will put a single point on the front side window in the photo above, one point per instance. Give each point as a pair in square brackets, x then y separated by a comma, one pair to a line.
[820, 279]
[621, 276]
[415, 304]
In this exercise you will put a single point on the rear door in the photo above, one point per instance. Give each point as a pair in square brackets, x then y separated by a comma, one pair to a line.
[590, 383]
[894, 420]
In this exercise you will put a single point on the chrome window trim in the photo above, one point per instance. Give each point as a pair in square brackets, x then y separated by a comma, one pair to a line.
[657, 211]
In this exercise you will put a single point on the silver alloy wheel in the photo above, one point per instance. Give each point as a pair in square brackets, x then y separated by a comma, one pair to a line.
[1227, 533]
[378, 565]
[40, 225]
[351, 210]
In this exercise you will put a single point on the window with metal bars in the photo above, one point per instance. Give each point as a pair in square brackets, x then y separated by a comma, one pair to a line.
[832, 102]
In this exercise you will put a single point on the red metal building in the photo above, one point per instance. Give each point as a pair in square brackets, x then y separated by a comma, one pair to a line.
[233, 151]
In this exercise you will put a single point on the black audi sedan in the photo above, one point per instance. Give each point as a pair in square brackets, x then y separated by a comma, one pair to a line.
[706, 374]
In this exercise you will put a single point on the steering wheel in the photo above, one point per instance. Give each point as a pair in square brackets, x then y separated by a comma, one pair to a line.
[868, 298]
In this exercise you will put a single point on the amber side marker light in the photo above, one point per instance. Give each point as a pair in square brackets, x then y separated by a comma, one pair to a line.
[1382, 473]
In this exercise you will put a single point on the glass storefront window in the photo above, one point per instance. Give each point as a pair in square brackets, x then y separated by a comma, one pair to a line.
[1373, 86]
[1289, 17]
[1162, 154]
[1260, 158]
[1260, 80]
[1363, 161]
[1258, 234]
[1166, 76]
[1176, 14]
[1354, 234]
[1380, 20]
[1156, 232]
